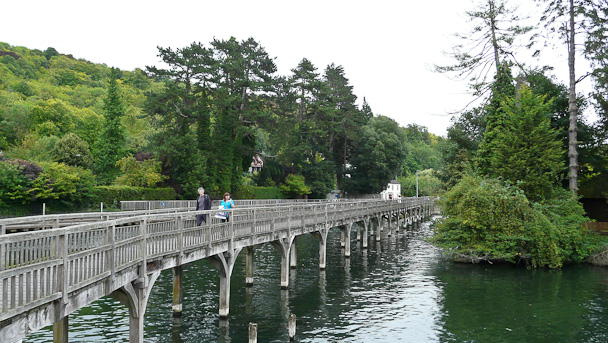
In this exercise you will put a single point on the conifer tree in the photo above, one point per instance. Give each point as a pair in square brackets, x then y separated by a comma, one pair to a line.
[111, 144]
[502, 88]
[526, 149]
[491, 41]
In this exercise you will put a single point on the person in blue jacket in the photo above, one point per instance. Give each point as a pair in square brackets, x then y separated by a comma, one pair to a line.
[227, 203]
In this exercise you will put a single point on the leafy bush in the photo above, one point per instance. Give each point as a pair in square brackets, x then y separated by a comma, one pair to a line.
[487, 219]
[146, 173]
[61, 187]
[295, 186]
[74, 151]
[13, 185]
[428, 184]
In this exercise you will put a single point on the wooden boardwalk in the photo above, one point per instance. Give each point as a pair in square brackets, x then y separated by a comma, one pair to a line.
[53, 270]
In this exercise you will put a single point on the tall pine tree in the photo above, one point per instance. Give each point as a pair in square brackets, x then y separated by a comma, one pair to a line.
[526, 149]
[111, 143]
[502, 88]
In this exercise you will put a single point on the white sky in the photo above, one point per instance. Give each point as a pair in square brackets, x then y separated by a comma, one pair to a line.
[387, 48]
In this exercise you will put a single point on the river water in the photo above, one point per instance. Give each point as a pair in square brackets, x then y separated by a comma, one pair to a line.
[401, 289]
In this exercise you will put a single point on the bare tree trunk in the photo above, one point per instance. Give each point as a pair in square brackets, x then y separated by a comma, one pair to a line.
[572, 109]
[493, 29]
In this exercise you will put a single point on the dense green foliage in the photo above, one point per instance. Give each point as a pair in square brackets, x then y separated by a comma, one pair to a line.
[428, 184]
[526, 148]
[60, 186]
[487, 219]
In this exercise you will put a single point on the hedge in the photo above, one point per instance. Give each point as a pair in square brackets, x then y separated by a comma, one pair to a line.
[255, 192]
[111, 196]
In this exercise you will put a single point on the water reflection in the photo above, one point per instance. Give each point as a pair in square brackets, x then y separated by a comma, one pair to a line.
[398, 289]
[176, 330]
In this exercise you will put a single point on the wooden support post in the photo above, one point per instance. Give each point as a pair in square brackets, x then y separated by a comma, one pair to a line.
[292, 326]
[366, 224]
[249, 265]
[358, 233]
[378, 228]
[224, 262]
[178, 294]
[60, 330]
[253, 333]
[293, 258]
[284, 246]
[347, 230]
[321, 236]
[136, 317]
[135, 297]
[398, 222]
[285, 269]
[225, 294]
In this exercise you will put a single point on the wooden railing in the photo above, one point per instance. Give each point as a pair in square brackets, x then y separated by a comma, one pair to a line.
[134, 205]
[40, 267]
[54, 221]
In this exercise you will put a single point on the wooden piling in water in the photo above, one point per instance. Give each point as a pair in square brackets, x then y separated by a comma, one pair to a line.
[292, 326]
[253, 333]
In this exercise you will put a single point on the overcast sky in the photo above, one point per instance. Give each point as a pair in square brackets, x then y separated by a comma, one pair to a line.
[387, 48]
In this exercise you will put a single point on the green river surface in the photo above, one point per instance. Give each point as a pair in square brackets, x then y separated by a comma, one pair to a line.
[401, 289]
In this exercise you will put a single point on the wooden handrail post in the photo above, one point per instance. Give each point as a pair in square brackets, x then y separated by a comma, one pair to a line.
[144, 252]
[62, 269]
[110, 257]
[2, 248]
[231, 244]
[180, 237]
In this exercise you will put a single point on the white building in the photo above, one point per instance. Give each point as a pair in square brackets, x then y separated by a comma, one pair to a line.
[256, 164]
[392, 191]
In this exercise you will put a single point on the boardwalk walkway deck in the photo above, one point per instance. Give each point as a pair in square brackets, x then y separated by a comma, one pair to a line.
[52, 271]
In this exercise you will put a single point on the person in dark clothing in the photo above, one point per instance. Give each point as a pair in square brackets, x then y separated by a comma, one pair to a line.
[202, 203]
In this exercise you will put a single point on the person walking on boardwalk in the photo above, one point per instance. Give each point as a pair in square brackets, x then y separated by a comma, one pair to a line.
[227, 203]
[202, 203]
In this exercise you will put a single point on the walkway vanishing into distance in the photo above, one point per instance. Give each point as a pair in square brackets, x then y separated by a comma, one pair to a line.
[54, 265]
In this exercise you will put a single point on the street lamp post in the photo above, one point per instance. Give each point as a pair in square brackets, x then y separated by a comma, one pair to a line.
[416, 183]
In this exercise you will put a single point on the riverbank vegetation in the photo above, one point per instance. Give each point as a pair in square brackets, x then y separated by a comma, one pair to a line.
[517, 164]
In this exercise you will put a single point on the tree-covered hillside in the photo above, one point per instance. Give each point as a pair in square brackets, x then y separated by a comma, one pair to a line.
[197, 121]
